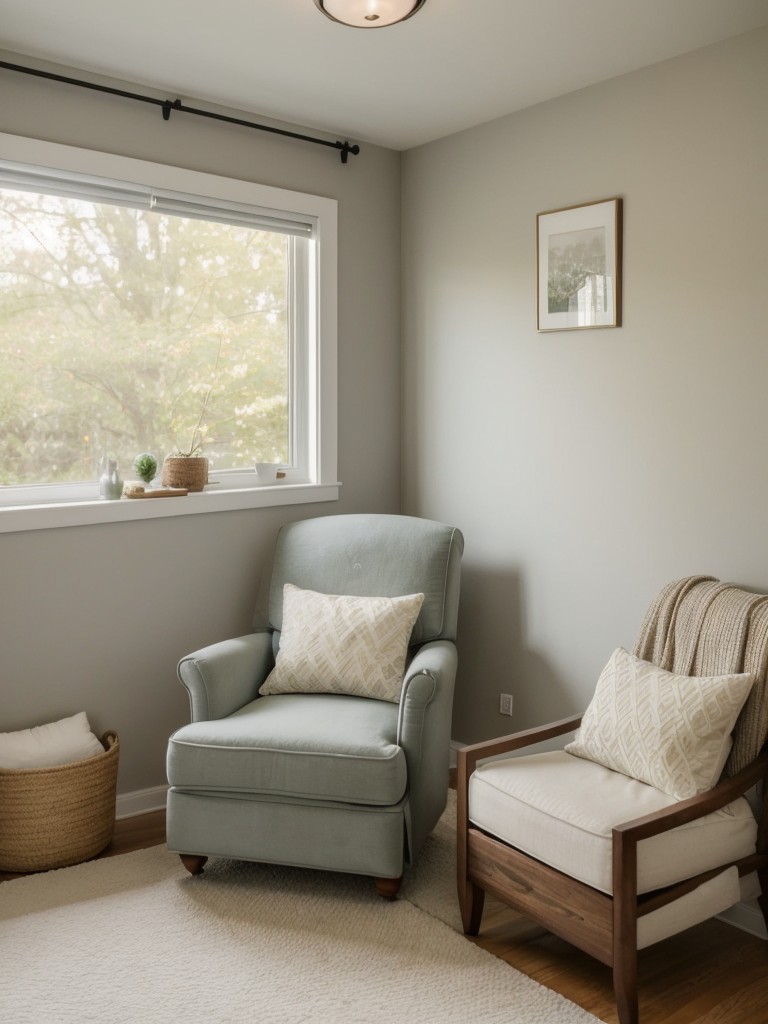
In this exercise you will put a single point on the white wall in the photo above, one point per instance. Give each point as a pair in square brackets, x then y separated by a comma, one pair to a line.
[95, 618]
[588, 468]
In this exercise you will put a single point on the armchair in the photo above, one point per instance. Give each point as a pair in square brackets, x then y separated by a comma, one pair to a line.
[330, 780]
[610, 863]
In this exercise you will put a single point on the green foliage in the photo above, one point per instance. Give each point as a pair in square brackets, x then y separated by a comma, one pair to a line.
[575, 257]
[146, 466]
[125, 331]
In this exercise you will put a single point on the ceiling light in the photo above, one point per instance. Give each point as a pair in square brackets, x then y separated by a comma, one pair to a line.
[369, 13]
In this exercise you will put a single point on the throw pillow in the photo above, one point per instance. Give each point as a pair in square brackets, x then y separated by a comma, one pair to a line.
[331, 643]
[670, 731]
[43, 746]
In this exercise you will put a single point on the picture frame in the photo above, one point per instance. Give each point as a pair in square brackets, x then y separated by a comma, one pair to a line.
[578, 266]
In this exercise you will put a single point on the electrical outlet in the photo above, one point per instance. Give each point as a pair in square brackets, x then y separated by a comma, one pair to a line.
[505, 703]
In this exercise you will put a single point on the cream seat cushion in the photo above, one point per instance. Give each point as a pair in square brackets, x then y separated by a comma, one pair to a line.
[561, 809]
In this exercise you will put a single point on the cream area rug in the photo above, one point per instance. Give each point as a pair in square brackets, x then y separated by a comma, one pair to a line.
[134, 939]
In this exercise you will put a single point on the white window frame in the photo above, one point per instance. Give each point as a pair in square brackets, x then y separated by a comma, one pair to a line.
[314, 376]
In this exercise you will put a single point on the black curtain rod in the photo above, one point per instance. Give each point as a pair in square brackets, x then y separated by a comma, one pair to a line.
[345, 148]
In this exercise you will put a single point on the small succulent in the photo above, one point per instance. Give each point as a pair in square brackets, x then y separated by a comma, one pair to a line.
[146, 466]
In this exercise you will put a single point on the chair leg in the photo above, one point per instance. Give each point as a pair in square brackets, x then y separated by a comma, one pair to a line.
[625, 986]
[193, 863]
[388, 888]
[471, 901]
[625, 926]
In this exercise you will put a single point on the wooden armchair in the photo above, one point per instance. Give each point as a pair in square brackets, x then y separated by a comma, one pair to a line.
[667, 863]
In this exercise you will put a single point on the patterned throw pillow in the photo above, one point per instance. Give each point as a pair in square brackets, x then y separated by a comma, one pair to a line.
[670, 731]
[336, 644]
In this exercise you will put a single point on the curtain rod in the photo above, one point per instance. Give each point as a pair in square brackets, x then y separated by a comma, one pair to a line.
[345, 148]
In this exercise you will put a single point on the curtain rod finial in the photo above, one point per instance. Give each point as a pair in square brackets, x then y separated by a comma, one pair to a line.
[346, 149]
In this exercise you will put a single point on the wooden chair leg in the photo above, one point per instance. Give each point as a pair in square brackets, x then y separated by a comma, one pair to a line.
[625, 927]
[625, 986]
[471, 901]
[193, 863]
[388, 888]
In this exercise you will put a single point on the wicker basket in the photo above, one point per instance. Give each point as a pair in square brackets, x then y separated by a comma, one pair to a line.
[189, 472]
[54, 817]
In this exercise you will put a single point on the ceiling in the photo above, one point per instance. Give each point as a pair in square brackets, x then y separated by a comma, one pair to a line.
[455, 64]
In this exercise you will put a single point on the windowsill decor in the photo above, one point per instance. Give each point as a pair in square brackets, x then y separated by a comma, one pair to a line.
[187, 471]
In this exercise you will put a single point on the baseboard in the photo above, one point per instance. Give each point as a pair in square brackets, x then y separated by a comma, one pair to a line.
[141, 801]
[747, 917]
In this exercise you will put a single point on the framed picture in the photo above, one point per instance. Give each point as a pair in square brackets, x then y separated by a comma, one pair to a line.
[578, 275]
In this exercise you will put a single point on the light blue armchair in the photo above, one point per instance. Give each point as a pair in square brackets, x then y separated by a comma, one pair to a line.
[323, 780]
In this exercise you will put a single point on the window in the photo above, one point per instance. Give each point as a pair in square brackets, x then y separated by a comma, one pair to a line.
[156, 309]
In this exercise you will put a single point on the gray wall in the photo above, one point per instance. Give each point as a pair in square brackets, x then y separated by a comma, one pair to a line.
[585, 468]
[588, 468]
[95, 618]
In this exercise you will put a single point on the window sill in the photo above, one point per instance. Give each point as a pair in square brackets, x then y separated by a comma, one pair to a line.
[88, 513]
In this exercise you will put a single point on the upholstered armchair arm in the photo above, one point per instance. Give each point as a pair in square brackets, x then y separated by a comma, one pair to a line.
[424, 733]
[227, 675]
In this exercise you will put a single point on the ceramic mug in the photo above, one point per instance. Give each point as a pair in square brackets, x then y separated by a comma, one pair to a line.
[267, 472]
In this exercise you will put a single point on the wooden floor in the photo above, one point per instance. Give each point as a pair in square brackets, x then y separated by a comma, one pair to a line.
[711, 974]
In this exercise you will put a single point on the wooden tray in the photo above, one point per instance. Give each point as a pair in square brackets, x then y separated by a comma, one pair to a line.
[159, 492]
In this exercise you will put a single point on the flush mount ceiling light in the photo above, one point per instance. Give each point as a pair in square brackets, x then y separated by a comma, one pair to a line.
[369, 13]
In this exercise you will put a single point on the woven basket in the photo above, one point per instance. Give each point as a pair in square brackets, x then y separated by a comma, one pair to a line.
[180, 471]
[54, 817]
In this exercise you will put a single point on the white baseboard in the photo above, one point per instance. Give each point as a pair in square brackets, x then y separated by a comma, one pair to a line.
[746, 916]
[140, 801]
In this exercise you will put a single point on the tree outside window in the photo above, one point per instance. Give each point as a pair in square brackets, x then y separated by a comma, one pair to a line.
[126, 330]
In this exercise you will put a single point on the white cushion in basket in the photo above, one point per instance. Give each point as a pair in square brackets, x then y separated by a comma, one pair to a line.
[43, 746]
[560, 809]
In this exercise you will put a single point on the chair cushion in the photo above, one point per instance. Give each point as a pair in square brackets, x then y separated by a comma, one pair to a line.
[671, 731]
[306, 746]
[332, 643]
[561, 809]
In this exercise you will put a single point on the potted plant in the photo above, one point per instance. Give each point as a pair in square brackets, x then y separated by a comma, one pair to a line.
[146, 466]
[187, 467]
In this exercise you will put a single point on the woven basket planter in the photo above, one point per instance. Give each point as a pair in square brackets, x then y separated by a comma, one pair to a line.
[54, 817]
[189, 472]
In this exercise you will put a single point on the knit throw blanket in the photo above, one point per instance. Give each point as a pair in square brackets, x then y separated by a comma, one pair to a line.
[698, 626]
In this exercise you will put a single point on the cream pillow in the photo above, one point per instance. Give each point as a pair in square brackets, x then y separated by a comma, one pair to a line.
[670, 731]
[336, 644]
[43, 746]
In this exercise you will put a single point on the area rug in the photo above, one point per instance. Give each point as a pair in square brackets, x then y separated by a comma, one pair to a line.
[134, 939]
